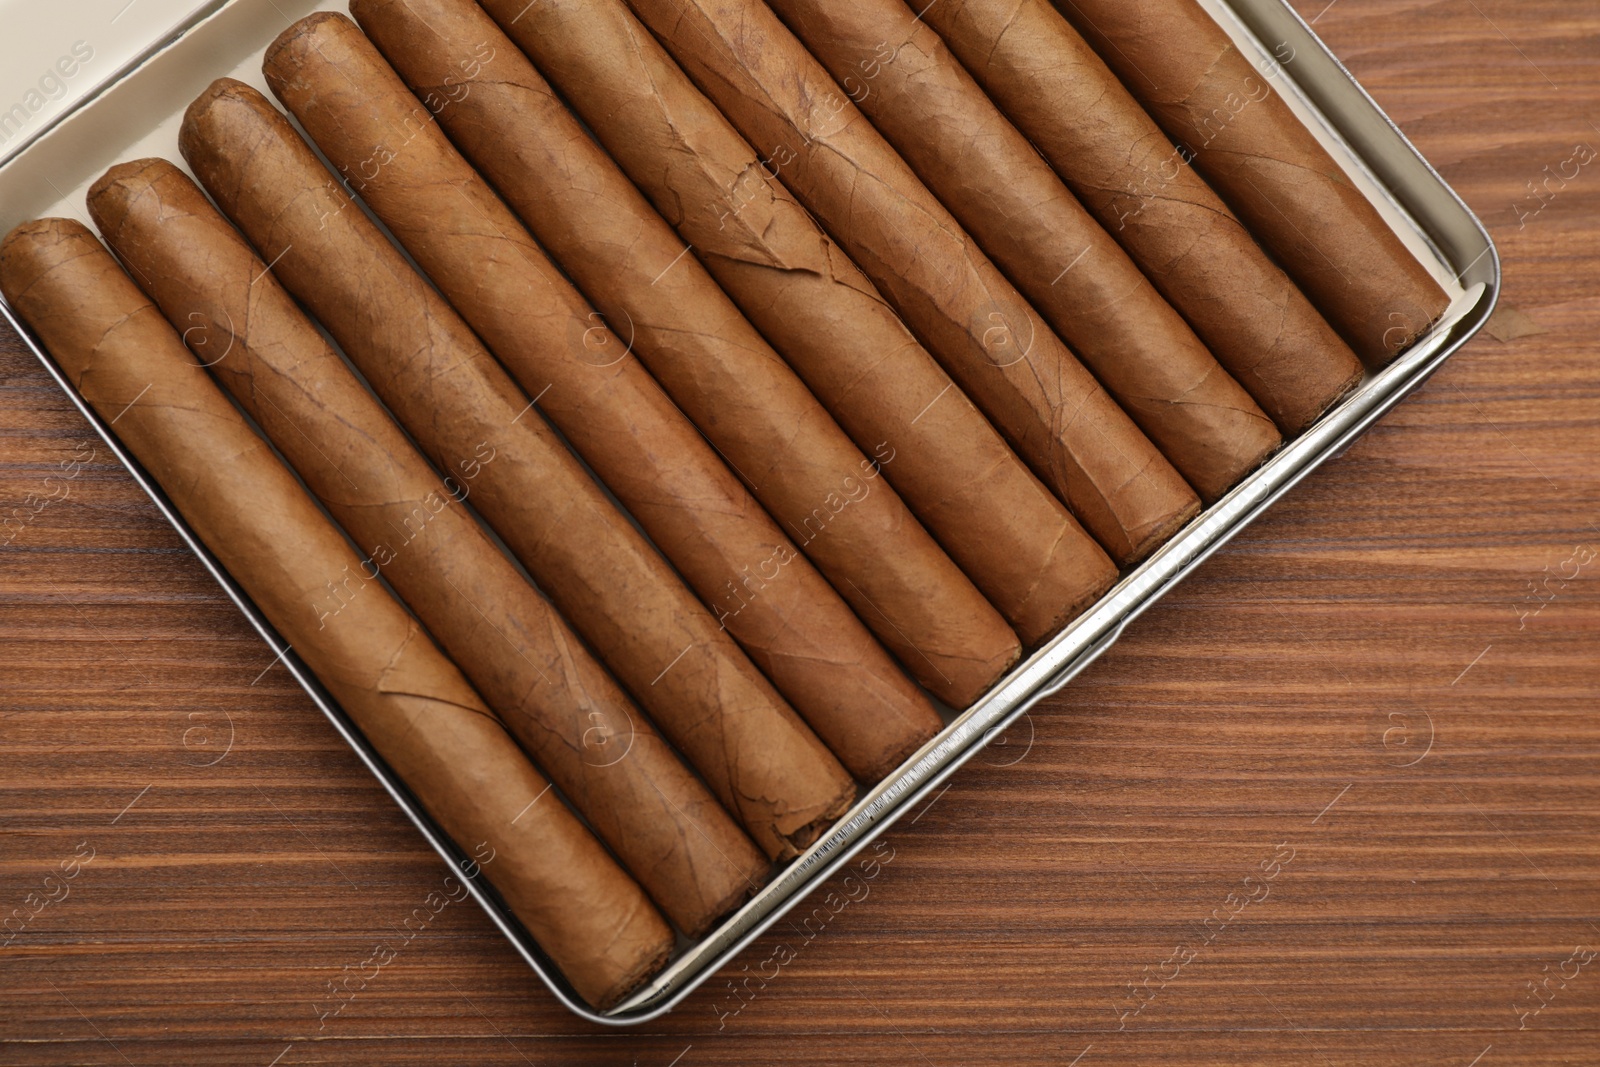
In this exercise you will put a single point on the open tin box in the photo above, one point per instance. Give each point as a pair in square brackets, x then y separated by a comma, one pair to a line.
[147, 59]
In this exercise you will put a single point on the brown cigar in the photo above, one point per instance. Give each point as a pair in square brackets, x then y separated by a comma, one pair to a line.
[411, 703]
[572, 718]
[956, 301]
[432, 372]
[1003, 528]
[1081, 281]
[1225, 116]
[1048, 81]
[751, 407]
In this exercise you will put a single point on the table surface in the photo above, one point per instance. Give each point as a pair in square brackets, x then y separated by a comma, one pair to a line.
[1378, 705]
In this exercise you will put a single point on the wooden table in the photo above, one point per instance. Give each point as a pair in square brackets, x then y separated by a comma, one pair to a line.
[1378, 704]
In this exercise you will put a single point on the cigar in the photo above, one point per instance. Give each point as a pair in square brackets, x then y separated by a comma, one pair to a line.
[997, 521]
[1082, 283]
[951, 296]
[1227, 119]
[410, 702]
[1050, 83]
[823, 491]
[430, 370]
[571, 717]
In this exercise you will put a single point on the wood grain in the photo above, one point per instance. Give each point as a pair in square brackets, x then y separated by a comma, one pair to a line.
[1350, 680]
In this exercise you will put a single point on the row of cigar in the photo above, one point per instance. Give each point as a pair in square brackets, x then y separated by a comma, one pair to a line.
[796, 281]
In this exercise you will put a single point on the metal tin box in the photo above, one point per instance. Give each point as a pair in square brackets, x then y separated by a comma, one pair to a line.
[151, 64]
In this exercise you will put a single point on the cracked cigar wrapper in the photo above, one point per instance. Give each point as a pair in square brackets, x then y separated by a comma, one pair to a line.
[1077, 277]
[957, 302]
[615, 415]
[532, 670]
[1223, 111]
[412, 704]
[1110, 152]
[997, 521]
[708, 358]
[430, 369]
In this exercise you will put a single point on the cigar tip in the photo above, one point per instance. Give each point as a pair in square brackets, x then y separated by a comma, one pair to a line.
[33, 248]
[150, 169]
[221, 89]
[54, 229]
[797, 841]
[755, 875]
[1160, 533]
[886, 759]
[312, 25]
[224, 87]
[643, 969]
[111, 193]
[38, 233]
[197, 114]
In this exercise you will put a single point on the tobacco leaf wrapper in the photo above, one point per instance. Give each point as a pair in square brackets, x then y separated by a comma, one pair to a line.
[998, 522]
[994, 182]
[768, 597]
[534, 672]
[412, 704]
[1189, 75]
[709, 359]
[441, 384]
[955, 300]
[1110, 152]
